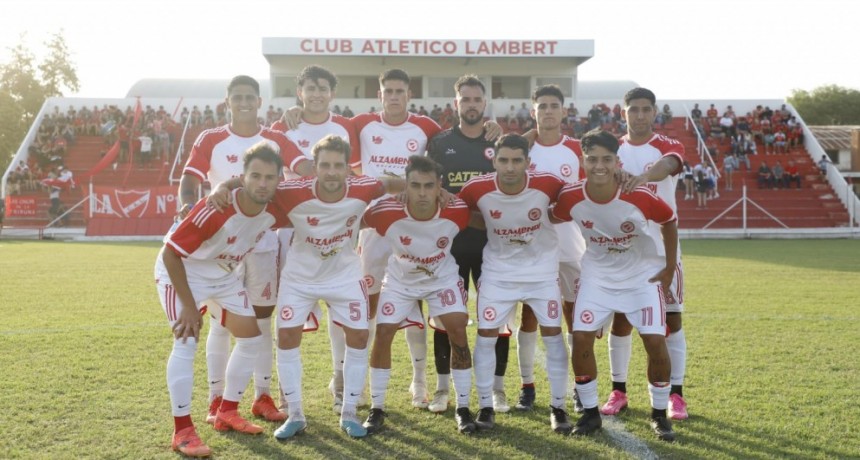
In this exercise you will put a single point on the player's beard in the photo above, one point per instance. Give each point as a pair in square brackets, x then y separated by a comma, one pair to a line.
[471, 117]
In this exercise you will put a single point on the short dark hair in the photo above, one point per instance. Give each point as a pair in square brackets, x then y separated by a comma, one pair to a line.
[599, 138]
[393, 74]
[264, 151]
[332, 143]
[243, 80]
[315, 72]
[423, 164]
[548, 90]
[640, 93]
[513, 141]
[469, 79]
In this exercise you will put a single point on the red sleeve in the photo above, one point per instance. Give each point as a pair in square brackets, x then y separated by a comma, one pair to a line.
[673, 148]
[652, 206]
[570, 195]
[199, 160]
[457, 212]
[291, 193]
[384, 213]
[547, 183]
[198, 226]
[279, 126]
[358, 123]
[290, 153]
[365, 188]
[430, 127]
[575, 146]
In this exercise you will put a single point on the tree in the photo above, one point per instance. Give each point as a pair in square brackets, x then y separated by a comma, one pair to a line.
[827, 105]
[24, 87]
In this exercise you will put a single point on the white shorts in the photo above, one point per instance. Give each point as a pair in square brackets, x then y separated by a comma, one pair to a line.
[643, 307]
[401, 304]
[261, 278]
[214, 300]
[568, 275]
[347, 304]
[497, 301]
[374, 250]
[674, 296]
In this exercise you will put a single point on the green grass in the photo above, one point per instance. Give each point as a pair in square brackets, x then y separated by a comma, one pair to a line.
[772, 371]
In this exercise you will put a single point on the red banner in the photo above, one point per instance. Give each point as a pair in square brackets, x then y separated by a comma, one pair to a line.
[106, 160]
[20, 206]
[149, 202]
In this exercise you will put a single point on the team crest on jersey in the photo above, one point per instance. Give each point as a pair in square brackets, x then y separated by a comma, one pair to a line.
[351, 221]
[495, 214]
[587, 224]
[287, 313]
[388, 309]
[133, 203]
[304, 143]
[566, 170]
[376, 139]
[405, 240]
[231, 239]
[535, 214]
[412, 145]
[587, 317]
[627, 227]
[489, 313]
[369, 281]
[233, 158]
[489, 153]
[313, 221]
[442, 243]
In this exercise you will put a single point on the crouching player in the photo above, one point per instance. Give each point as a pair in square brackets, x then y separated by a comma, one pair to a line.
[197, 263]
[626, 265]
[420, 268]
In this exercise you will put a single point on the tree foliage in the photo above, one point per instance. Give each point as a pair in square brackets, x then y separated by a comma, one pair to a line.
[25, 83]
[827, 105]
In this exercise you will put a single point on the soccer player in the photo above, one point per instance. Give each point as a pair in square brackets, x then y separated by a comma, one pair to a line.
[627, 264]
[464, 152]
[520, 265]
[554, 153]
[316, 88]
[420, 268]
[197, 265]
[215, 157]
[655, 160]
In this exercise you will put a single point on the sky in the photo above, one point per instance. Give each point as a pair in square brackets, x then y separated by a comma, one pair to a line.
[688, 49]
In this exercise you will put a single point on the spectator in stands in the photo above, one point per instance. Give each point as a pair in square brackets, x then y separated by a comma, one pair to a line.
[423, 111]
[336, 110]
[713, 115]
[730, 165]
[572, 113]
[822, 165]
[145, 148]
[208, 115]
[183, 116]
[62, 181]
[711, 181]
[701, 186]
[780, 142]
[696, 113]
[512, 114]
[727, 125]
[687, 177]
[792, 175]
[755, 128]
[743, 126]
[665, 115]
[786, 114]
[522, 114]
[795, 137]
[594, 116]
[778, 175]
[765, 176]
[372, 109]
[196, 116]
[768, 143]
[413, 109]
[766, 114]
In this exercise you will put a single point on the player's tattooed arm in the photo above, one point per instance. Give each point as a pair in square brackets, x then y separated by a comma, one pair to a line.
[460, 357]
[188, 186]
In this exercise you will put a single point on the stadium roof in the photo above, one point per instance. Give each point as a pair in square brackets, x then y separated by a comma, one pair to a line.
[834, 137]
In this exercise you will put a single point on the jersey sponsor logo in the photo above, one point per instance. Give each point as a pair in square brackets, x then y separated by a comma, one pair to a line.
[313, 221]
[287, 313]
[495, 214]
[461, 177]
[442, 243]
[412, 145]
[389, 160]
[587, 224]
[535, 214]
[489, 153]
[330, 253]
[369, 281]
[566, 170]
[231, 239]
[388, 309]
[489, 313]
[424, 270]
[587, 317]
[450, 151]
[304, 143]
[627, 227]
[376, 139]
[233, 158]
[405, 240]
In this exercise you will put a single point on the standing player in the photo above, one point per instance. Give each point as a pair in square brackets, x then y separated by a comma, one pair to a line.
[554, 153]
[420, 268]
[520, 265]
[464, 152]
[655, 160]
[316, 87]
[215, 157]
[625, 257]
[197, 263]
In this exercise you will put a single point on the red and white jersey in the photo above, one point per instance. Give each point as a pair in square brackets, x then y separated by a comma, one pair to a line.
[522, 243]
[213, 242]
[421, 255]
[564, 160]
[638, 158]
[385, 148]
[307, 134]
[623, 246]
[321, 251]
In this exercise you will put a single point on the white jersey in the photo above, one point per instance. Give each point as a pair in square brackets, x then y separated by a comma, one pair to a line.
[522, 244]
[421, 256]
[307, 134]
[321, 251]
[563, 160]
[623, 250]
[385, 148]
[213, 243]
[636, 159]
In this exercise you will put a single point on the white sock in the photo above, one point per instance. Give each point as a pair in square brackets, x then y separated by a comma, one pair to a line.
[556, 369]
[217, 354]
[290, 378]
[263, 364]
[180, 376]
[416, 339]
[338, 346]
[485, 367]
[240, 367]
[570, 343]
[587, 394]
[462, 385]
[378, 387]
[659, 393]
[677, 345]
[442, 382]
[526, 345]
[354, 375]
[620, 349]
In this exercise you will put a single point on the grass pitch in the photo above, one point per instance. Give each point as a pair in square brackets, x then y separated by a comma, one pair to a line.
[772, 369]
